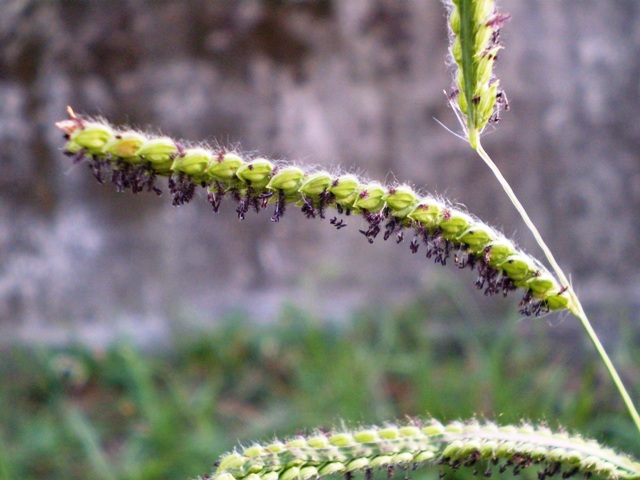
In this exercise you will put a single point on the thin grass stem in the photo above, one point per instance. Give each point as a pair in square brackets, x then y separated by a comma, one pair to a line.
[575, 306]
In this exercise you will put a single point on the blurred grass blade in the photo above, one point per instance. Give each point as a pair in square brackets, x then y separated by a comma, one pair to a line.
[5, 467]
[90, 442]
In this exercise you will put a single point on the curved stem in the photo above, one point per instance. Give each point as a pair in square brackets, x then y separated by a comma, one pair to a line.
[575, 306]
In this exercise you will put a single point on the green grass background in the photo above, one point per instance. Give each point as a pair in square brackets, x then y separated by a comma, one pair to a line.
[125, 413]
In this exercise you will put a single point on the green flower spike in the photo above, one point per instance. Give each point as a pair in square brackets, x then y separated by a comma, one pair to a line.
[256, 173]
[370, 198]
[92, 137]
[125, 146]
[134, 161]
[475, 29]
[456, 445]
[499, 250]
[402, 200]
[316, 184]
[477, 237]
[224, 167]
[429, 212]
[159, 152]
[287, 180]
[454, 223]
[520, 268]
[193, 161]
[345, 189]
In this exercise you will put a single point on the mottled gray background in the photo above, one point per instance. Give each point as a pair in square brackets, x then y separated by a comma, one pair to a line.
[348, 82]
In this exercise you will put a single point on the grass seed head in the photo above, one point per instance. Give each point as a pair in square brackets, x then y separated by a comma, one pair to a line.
[474, 45]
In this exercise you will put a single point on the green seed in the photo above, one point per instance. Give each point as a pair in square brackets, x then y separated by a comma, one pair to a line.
[402, 458]
[308, 472]
[315, 184]
[470, 447]
[499, 251]
[233, 461]
[485, 65]
[541, 284]
[370, 198]
[435, 428]
[454, 427]
[72, 147]
[409, 431]
[488, 449]
[381, 461]
[255, 173]
[224, 167]
[456, 50]
[506, 449]
[296, 443]
[357, 464]
[424, 456]
[452, 450]
[93, 137]
[287, 180]
[254, 467]
[365, 436]
[253, 451]
[477, 237]
[125, 145]
[428, 212]
[193, 161]
[276, 447]
[225, 476]
[557, 301]
[483, 36]
[341, 440]
[400, 198]
[319, 441]
[159, 152]
[345, 188]
[454, 20]
[331, 468]
[453, 223]
[538, 453]
[389, 433]
[520, 268]
[290, 473]
[486, 104]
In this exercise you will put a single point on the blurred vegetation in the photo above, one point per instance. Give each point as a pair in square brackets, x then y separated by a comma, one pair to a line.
[123, 413]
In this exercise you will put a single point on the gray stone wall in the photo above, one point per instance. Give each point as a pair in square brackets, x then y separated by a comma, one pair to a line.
[355, 83]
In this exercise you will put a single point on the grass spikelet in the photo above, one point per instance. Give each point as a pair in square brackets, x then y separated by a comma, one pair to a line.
[475, 32]
[133, 160]
[457, 445]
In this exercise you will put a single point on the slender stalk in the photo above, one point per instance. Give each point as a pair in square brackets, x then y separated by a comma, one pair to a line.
[575, 306]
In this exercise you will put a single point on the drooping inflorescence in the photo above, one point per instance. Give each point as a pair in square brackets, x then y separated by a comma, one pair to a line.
[475, 34]
[133, 160]
[483, 447]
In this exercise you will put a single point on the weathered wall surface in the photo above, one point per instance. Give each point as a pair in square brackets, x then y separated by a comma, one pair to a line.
[355, 83]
